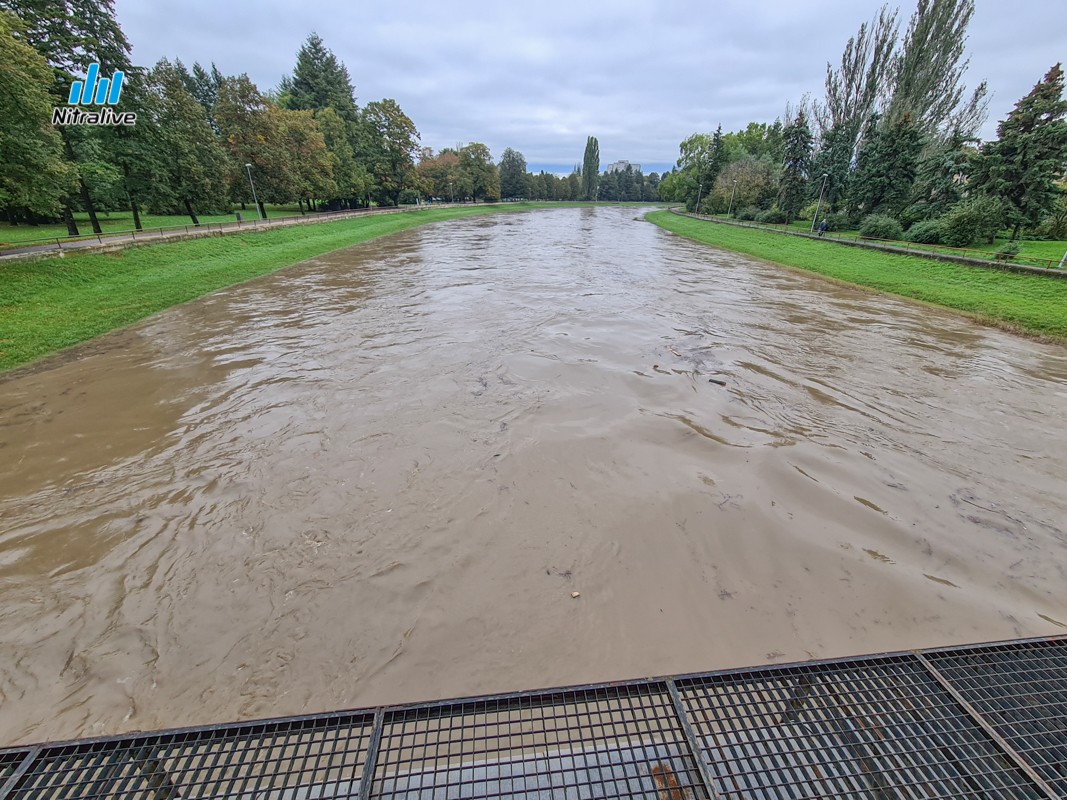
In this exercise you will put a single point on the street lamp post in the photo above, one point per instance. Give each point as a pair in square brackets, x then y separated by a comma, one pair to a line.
[731, 208]
[700, 191]
[255, 200]
[819, 204]
[451, 193]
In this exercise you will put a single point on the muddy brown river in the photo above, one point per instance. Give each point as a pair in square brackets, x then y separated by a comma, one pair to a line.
[380, 475]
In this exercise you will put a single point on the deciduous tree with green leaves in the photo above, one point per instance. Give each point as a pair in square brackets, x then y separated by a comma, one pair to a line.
[70, 35]
[195, 163]
[388, 144]
[34, 175]
[476, 163]
[513, 182]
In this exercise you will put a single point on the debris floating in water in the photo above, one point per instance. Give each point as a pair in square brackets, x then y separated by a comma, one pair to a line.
[576, 594]
[716, 380]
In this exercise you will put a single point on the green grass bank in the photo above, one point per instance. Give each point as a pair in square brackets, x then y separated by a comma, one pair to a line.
[1030, 304]
[54, 303]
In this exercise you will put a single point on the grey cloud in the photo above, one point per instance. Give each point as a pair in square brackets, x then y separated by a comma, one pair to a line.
[541, 77]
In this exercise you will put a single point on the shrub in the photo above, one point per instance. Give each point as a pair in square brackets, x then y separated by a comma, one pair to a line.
[928, 232]
[1007, 252]
[772, 216]
[836, 222]
[879, 226]
[808, 211]
[967, 221]
[748, 212]
[915, 214]
[960, 226]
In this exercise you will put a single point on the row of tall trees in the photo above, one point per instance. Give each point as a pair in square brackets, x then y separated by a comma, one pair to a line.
[199, 134]
[585, 182]
[895, 135]
[202, 137]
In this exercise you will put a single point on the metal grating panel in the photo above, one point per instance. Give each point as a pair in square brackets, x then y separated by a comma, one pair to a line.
[1021, 690]
[870, 728]
[606, 742]
[978, 721]
[290, 760]
[10, 761]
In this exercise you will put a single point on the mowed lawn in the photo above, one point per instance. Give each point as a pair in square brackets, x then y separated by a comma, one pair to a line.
[54, 303]
[1033, 304]
[1050, 249]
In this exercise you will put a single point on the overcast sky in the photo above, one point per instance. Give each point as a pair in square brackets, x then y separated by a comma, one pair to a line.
[541, 76]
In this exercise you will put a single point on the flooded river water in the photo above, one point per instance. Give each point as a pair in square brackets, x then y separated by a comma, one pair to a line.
[379, 476]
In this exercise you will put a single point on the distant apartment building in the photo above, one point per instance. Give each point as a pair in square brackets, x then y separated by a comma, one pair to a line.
[620, 166]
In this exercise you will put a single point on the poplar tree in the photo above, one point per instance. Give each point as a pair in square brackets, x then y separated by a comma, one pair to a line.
[1023, 164]
[591, 169]
[927, 72]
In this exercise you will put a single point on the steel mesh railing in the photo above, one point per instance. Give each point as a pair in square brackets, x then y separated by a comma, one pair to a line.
[984, 721]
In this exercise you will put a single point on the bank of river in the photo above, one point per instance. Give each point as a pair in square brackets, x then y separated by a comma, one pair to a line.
[1034, 305]
[57, 302]
[380, 476]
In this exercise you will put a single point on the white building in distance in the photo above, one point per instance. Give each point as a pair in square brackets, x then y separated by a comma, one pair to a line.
[620, 166]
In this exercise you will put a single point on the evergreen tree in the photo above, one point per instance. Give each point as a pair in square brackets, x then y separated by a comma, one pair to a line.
[1021, 167]
[887, 165]
[513, 182]
[796, 166]
[834, 159]
[942, 175]
[590, 169]
[319, 81]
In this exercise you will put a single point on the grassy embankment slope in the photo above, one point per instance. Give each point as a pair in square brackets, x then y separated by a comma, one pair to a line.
[55, 303]
[1032, 304]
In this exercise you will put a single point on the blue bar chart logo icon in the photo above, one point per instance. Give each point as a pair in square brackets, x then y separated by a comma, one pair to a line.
[95, 90]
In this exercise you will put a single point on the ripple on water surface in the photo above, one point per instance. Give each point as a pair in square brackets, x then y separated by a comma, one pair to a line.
[379, 476]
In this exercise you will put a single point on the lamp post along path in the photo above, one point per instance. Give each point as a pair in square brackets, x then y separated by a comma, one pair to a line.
[819, 204]
[259, 212]
[732, 193]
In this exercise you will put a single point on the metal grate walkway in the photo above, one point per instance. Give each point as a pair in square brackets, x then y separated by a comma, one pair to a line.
[986, 721]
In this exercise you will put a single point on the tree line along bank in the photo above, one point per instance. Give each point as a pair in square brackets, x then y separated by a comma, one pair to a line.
[202, 140]
[892, 147]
